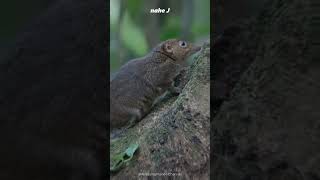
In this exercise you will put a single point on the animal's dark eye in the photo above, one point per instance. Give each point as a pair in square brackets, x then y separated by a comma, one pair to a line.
[182, 44]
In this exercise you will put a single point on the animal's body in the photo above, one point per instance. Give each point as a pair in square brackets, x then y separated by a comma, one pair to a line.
[141, 81]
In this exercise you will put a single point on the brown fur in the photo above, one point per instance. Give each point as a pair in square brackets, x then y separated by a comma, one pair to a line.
[138, 83]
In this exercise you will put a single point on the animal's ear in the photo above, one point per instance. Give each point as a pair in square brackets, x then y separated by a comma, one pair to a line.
[167, 48]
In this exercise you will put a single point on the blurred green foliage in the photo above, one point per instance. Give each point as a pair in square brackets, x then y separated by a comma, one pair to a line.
[131, 35]
[171, 28]
[134, 30]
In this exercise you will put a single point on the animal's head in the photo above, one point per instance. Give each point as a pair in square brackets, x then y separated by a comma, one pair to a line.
[177, 50]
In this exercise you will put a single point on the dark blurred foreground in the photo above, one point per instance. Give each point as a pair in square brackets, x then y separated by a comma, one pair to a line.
[265, 98]
[53, 96]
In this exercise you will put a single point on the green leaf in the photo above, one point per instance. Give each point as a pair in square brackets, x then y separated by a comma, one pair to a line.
[118, 163]
[130, 151]
[123, 158]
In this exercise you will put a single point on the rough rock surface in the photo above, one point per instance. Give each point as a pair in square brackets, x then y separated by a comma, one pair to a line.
[267, 127]
[174, 137]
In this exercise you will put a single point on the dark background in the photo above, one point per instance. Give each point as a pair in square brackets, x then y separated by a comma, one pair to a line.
[17, 15]
[53, 95]
[265, 92]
